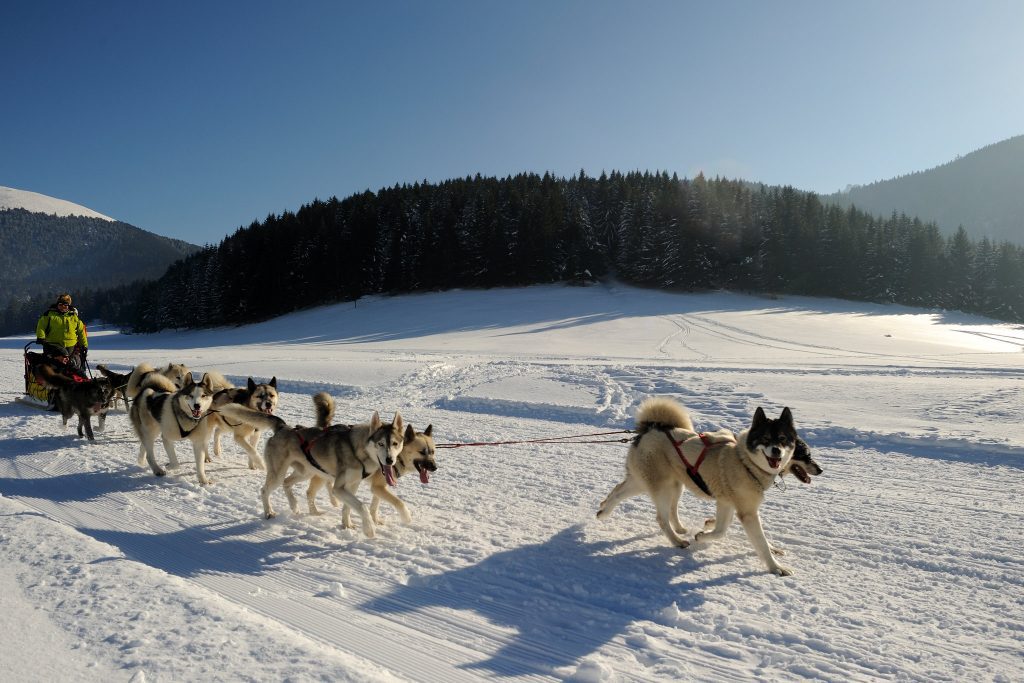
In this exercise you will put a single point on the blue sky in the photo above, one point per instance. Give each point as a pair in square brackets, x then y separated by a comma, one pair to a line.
[191, 119]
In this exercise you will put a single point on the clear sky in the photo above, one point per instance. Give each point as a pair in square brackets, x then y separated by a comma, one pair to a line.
[191, 119]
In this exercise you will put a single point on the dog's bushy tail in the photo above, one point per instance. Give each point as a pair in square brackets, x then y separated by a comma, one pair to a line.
[662, 412]
[141, 371]
[324, 404]
[218, 381]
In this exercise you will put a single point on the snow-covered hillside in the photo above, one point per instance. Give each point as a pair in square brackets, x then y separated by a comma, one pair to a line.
[908, 551]
[41, 203]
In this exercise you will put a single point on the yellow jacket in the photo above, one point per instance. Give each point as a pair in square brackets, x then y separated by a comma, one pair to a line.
[62, 329]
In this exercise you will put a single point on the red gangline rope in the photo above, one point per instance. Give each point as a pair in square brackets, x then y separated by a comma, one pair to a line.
[552, 439]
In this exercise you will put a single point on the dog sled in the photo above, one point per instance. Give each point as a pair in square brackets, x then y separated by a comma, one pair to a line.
[37, 394]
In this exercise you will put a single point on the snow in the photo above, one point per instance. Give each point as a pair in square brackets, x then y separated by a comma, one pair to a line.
[907, 550]
[41, 203]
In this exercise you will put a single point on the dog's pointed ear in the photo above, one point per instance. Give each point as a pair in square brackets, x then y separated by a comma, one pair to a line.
[273, 382]
[375, 421]
[250, 386]
[397, 424]
[759, 417]
[410, 433]
[429, 430]
[787, 416]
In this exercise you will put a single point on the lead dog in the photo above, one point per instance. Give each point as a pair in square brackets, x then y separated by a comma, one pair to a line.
[734, 471]
[174, 415]
[346, 454]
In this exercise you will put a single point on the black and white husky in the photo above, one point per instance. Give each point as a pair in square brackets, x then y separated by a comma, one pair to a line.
[733, 470]
[162, 410]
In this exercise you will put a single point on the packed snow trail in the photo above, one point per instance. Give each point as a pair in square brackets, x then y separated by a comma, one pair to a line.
[906, 550]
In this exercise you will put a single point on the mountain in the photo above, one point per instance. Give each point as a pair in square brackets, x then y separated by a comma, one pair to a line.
[50, 244]
[40, 203]
[980, 191]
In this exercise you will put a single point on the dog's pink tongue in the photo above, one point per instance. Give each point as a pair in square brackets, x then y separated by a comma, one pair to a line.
[389, 474]
[424, 476]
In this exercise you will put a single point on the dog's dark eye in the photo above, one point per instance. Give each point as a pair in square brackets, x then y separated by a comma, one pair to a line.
[425, 451]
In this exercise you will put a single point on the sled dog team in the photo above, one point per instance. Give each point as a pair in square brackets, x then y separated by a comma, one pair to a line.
[666, 455]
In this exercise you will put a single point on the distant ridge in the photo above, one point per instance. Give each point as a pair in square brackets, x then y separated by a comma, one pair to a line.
[52, 245]
[11, 198]
[982, 191]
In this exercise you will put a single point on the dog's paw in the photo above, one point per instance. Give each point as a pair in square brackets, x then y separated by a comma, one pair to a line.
[159, 472]
[779, 570]
[270, 515]
[709, 523]
[682, 543]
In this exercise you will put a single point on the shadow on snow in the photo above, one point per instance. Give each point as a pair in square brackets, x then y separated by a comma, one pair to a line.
[564, 598]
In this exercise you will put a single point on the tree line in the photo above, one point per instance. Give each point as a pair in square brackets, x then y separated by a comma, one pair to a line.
[647, 229]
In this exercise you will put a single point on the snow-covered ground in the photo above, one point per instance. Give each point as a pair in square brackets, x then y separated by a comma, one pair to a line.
[908, 551]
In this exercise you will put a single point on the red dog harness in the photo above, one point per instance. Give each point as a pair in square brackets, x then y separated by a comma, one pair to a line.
[694, 469]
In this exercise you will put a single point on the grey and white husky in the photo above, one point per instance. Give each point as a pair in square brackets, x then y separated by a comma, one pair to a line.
[174, 415]
[417, 455]
[733, 470]
[343, 454]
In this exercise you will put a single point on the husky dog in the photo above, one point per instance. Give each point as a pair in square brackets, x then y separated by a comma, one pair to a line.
[417, 455]
[118, 382]
[85, 399]
[173, 415]
[141, 375]
[735, 471]
[345, 453]
[262, 397]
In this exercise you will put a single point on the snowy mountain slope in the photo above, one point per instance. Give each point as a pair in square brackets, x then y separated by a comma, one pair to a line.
[907, 550]
[11, 198]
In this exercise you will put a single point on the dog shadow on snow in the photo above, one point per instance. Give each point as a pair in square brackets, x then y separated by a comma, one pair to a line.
[219, 548]
[563, 598]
